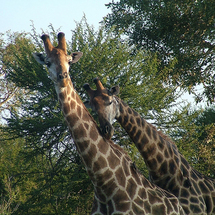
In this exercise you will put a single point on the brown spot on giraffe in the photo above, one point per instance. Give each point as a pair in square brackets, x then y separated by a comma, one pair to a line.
[120, 177]
[100, 164]
[72, 118]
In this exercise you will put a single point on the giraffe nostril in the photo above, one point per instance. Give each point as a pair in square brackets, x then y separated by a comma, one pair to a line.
[106, 130]
[62, 76]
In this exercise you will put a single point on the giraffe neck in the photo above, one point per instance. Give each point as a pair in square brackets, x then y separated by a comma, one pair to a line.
[81, 124]
[83, 128]
[167, 167]
[155, 149]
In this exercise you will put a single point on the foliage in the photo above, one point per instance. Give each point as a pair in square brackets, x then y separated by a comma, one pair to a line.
[31, 185]
[115, 63]
[195, 134]
[181, 30]
[10, 93]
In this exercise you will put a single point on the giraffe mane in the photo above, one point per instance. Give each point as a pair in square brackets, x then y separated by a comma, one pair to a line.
[164, 136]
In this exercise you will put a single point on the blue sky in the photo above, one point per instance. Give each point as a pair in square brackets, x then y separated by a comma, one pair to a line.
[16, 15]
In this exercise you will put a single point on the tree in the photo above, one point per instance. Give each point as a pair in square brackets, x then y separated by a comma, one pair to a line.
[181, 30]
[194, 135]
[10, 93]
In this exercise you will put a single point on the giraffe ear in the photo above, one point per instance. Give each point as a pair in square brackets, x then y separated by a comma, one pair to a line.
[114, 90]
[40, 58]
[75, 56]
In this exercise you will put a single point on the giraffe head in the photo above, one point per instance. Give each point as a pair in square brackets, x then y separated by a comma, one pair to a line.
[57, 60]
[105, 104]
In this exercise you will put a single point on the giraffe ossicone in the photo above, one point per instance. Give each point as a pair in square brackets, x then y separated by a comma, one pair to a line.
[119, 187]
[167, 166]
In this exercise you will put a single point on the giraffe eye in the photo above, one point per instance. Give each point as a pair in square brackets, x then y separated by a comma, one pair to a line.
[107, 100]
[107, 103]
[110, 102]
[47, 62]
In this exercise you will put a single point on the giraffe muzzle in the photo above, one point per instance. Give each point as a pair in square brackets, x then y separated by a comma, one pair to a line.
[108, 131]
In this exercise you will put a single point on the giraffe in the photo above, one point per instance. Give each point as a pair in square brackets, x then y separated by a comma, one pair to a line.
[119, 187]
[167, 167]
